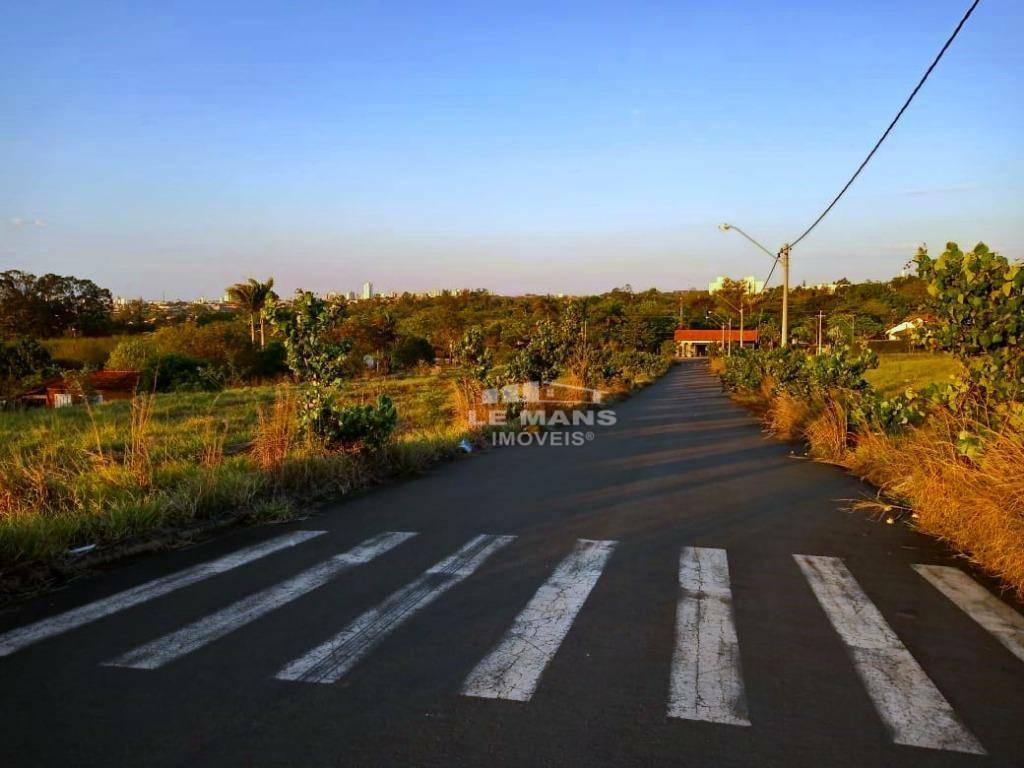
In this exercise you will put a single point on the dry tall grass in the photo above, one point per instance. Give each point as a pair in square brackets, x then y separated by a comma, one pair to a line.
[975, 505]
[214, 437]
[787, 416]
[470, 412]
[716, 365]
[277, 430]
[827, 432]
[136, 453]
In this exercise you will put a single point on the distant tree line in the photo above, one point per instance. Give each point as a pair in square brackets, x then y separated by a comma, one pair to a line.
[77, 326]
[52, 305]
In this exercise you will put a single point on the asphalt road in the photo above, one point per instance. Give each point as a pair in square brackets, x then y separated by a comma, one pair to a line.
[632, 601]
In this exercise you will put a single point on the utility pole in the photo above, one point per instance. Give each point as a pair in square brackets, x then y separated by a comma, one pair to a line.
[741, 322]
[784, 258]
[820, 316]
[729, 353]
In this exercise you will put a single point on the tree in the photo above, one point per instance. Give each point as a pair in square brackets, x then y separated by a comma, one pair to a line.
[538, 360]
[316, 357]
[978, 298]
[22, 364]
[253, 296]
[52, 305]
[732, 295]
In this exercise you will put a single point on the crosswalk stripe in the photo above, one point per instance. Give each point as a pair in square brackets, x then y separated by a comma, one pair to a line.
[706, 682]
[331, 660]
[912, 708]
[23, 636]
[513, 669]
[977, 602]
[176, 644]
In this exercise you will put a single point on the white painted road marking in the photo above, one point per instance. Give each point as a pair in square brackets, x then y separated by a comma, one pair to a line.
[55, 625]
[912, 708]
[170, 647]
[706, 683]
[513, 669]
[331, 660]
[977, 602]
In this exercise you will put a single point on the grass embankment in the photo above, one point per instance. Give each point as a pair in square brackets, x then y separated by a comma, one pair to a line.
[975, 504]
[164, 464]
[145, 474]
[911, 370]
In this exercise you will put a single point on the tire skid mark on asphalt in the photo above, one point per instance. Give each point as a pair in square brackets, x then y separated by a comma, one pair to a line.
[706, 682]
[225, 621]
[514, 668]
[331, 660]
[912, 708]
[21, 637]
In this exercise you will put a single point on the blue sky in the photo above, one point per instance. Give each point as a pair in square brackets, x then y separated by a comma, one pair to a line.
[173, 148]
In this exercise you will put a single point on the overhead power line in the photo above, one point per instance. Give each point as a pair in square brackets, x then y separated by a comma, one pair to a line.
[770, 273]
[892, 125]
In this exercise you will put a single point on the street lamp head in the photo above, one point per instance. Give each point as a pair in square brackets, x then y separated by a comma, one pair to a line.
[724, 227]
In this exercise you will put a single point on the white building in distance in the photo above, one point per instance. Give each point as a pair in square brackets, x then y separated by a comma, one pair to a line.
[367, 290]
[753, 284]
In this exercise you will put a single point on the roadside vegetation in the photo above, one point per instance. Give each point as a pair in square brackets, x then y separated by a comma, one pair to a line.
[946, 454]
[167, 465]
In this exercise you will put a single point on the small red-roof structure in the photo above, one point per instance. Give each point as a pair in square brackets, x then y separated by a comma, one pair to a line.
[694, 342]
[100, 386]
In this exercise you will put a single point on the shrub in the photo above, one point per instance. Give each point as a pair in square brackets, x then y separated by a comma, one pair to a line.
[412, 350]
[268, 362]
[317, 360]
[798, 373]
[365, 426]
[22, 363]
[979, 300]
[539, 359]
[177, 373]
[134, 353]
[82, 351]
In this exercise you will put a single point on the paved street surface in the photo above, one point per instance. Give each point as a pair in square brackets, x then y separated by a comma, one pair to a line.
[679, 591]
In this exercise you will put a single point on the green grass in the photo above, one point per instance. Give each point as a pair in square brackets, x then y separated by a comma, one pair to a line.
[66, 475]
[913, 370]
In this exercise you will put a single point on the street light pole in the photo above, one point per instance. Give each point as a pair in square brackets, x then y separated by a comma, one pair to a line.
[783, 256]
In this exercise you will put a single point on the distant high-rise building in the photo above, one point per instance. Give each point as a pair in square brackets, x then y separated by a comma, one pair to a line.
[367, 290]
[352, 296]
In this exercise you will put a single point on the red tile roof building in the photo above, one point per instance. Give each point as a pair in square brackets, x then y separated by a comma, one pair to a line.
[102, 386]
[694, 342]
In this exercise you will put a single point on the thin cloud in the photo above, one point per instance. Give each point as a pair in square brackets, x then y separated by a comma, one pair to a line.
[18, 223]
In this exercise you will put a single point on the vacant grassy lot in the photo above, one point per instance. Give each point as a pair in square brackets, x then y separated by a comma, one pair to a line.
[72, 476]
[913, 370]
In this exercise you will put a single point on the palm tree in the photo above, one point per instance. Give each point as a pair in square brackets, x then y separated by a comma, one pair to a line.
[252, 296]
